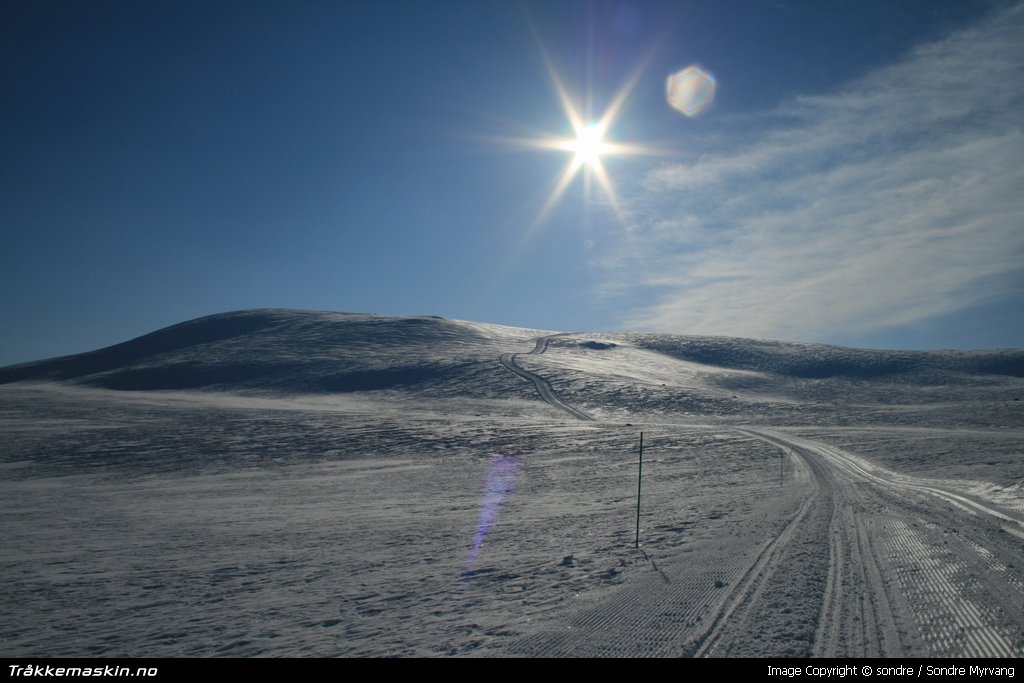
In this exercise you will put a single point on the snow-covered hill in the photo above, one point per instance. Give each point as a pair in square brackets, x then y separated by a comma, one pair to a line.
[295, 352]
[318, 352]
[296, 483]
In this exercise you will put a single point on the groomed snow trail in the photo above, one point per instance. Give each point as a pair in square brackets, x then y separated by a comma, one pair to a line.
[543, 386]
[913, 569]
[838, 565]
[707, 601]
[846, 561]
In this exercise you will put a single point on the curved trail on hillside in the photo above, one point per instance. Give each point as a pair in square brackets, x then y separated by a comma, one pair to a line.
[542, 385]
[846, 561]
[709, 600]
[842, 563]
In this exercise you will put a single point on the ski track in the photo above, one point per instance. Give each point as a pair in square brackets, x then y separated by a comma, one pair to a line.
[944, 601]
[842, 559]
[543, 386]
[958, 599]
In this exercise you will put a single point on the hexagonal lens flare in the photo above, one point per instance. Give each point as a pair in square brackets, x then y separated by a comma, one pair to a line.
[690, 91]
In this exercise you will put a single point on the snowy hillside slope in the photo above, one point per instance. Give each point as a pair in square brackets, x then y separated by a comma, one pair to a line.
[819, 361]
[718, 378]
[288, 351]
[319, 352]
[297, 483]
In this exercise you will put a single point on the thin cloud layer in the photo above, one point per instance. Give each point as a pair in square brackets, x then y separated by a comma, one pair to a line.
[895, 199]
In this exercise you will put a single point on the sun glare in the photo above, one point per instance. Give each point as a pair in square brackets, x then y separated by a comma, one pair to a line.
[588, 146]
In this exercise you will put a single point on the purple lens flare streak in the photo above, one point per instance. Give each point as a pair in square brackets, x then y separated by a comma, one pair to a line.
[502, 475]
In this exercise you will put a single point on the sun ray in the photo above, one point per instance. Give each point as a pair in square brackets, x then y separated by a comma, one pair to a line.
[609, 190]
[590, 146]
[568, 106]
[556, 193]
[590, 143]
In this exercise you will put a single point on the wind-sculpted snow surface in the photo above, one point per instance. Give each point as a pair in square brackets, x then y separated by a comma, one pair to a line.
[294, 352]
[275, 483]
[818, 361]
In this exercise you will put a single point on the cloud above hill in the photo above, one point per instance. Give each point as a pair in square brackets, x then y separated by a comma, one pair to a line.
[888, 201]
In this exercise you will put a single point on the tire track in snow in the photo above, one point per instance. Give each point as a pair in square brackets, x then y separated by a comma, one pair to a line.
[843, 551]
[954, 593]
[702, 603]
[827, 635]
[542, 385]
[862, 525]
[843, 461]
[750, 588]
[872, 609]
[857, 617]
[787, 594]
[660, 614]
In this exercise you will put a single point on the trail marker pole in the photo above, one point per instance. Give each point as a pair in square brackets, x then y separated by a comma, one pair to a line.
[638, 479]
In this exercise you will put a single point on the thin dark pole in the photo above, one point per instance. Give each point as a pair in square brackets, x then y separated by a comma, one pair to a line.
[638, 479]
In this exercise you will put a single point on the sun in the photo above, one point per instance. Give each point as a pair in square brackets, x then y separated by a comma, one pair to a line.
[591, 142]
[588, 146]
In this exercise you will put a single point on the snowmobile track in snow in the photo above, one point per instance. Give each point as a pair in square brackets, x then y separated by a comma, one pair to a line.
[855, 564]
[543, 386]
[694, 607]
[949, 595]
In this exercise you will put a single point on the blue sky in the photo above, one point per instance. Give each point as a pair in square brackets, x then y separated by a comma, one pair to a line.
[857, 179]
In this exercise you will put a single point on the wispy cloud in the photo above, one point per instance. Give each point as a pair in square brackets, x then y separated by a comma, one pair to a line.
[894, 199]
